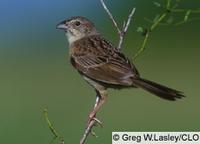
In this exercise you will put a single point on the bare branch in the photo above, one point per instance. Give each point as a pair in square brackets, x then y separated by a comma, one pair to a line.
[88, 130]
[111, 16]
[125, 28]
[129, 20]
[122, 32]
[92, 123]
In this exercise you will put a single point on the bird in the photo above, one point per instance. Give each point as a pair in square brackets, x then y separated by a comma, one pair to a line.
[103, 65]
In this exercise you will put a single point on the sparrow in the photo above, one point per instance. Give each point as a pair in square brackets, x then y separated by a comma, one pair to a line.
[104, 66]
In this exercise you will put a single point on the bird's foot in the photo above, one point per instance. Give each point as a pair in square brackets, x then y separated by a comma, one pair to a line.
[97, 121]
[94, 122]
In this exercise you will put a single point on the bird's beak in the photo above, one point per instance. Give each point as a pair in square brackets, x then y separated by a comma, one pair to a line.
[62, 26]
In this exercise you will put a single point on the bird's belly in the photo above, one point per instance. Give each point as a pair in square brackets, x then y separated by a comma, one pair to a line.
[102, 86]
[94, 84]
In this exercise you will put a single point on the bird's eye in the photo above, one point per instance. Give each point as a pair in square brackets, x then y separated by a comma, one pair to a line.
[77, 23]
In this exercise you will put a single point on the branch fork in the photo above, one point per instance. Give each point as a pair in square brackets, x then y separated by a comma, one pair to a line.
[121, 32]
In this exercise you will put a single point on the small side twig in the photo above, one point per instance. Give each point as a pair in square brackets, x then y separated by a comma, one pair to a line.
[154, 25]
[148, 31]
[121, 32]
[189, 20]
[151, 21]
[142, 48]
[52, 129]
[185, 10]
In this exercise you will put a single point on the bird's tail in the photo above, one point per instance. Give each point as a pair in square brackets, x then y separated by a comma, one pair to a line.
[158, 90]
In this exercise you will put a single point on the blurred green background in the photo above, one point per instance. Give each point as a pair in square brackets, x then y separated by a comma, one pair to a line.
[35, 72]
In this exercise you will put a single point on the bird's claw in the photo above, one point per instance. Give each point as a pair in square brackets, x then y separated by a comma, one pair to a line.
[93, 134]
[98, 122]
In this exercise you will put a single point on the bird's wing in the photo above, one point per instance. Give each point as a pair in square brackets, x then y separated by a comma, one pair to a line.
[98, 59]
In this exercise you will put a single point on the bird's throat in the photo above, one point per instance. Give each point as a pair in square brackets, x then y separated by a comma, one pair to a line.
[73, 37]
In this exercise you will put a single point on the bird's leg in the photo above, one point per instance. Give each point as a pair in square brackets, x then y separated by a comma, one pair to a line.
[100, 100]
[101, 97]
[97, 101]
[95, 105]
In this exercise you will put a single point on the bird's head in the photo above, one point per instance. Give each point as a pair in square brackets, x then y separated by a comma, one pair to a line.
[77, 28]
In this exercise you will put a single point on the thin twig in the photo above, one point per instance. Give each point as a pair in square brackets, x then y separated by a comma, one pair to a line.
[151, 21]
[189, 20]
[152, 27]
[157, 22]
[185, 10]
[111, 16]
[142, 48]
[168, 4]
[51, 127]
[125, 29]
[122, 32]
